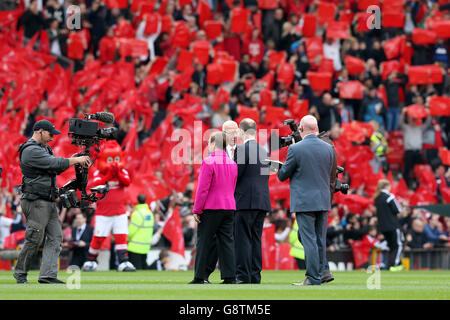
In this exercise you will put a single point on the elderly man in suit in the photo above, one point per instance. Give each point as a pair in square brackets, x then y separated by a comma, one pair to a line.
[308, 166]
[252, 203]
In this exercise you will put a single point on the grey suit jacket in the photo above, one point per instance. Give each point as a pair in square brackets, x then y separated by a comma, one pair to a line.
[308, 166]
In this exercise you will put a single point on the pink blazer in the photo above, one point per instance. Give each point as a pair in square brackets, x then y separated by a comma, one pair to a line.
[216, 183]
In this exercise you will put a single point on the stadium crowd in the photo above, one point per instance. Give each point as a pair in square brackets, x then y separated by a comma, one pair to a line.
[382, 92]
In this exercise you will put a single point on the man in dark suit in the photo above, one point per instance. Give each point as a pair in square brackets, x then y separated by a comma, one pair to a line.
[81, 237]
[308, 166]
[252, 203]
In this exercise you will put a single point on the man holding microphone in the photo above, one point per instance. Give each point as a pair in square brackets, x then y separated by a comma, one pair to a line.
[39, 168]
[308, 166]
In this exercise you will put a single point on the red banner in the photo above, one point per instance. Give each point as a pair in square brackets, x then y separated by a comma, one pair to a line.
[201, 51]
[314, 48]
[309, 25]
[425, 74]
[319, 80]
[416, 111]
[354, 65]
[393, 19]
[286, 73]
[213, 29]
[351, 90]
[338, 30]
[214, 73]
[239, 17]
[387, 67]
[423, 36]
[439, 106]
[441, 27]
[173, 231]
[326, 65]
[444, 154]
[326, 12]
[181, 35]
[393, 47]
[268, 4]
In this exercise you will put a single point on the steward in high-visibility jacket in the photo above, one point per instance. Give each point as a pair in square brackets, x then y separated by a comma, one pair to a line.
[297, 250]
[379, 144]
[379, 147]
[140, 229]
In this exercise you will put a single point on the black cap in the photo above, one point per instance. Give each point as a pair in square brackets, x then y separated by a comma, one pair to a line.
[45, 125]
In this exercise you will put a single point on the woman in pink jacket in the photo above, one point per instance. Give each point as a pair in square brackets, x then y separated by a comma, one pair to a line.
[214, 210]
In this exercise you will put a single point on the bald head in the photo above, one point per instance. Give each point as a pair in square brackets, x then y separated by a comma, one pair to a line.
[231, 130]
[248, 126]
[308, 125]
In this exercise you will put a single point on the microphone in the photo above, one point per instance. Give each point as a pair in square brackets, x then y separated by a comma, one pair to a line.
[106, 117]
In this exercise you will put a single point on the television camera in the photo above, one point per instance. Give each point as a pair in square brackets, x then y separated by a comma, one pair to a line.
[86, 134]
[295, 135]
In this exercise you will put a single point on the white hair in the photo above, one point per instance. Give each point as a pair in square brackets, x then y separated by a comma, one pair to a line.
[229, 123]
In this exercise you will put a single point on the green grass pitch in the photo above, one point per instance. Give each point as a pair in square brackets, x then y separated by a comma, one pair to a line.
[172, 285]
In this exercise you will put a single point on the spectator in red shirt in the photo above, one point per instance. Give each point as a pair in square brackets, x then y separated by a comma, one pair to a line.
[232, 45]
[254, 47]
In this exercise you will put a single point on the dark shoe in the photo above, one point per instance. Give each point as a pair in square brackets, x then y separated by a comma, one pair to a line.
[228, 281]
[327, 277]
[50, 281]
[22, 281]
[198, 281]
[305, 282]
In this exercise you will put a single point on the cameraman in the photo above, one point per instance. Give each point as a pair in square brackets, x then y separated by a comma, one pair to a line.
[39, 168]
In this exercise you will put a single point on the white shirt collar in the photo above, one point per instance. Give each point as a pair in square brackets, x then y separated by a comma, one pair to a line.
[230, 149]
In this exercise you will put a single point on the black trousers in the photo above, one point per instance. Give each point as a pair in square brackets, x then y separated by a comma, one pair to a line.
[248, 226]
[411, 157]
[216, 224]
[138, 260]
[394, 242]
[79, 257]
[213, 257]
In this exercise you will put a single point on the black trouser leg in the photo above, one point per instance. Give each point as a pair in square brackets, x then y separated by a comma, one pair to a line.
[411, 158]
[212, 257]
[205, 233]
[256, 232]
[225, 246]
[138, 260]
[392, 241]
[243, 246]
[217, 223]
